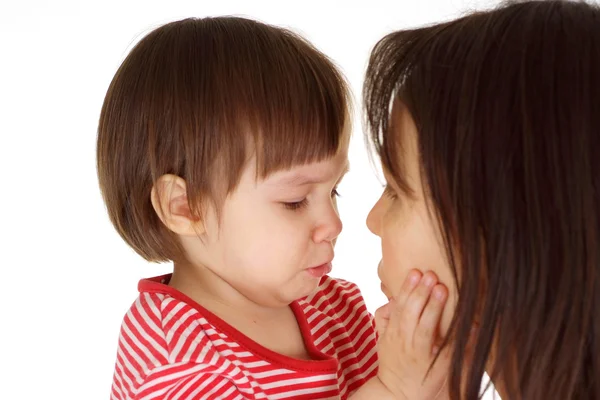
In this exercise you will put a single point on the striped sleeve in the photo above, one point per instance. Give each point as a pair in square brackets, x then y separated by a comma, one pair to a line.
[142, 347]
[146, 367]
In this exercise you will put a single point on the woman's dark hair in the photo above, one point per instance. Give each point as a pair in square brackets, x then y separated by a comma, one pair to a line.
[507, 108]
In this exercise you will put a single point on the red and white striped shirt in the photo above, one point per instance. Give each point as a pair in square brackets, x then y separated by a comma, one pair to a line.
[171, 348]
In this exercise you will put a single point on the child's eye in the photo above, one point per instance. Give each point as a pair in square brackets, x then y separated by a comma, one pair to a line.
[335, 193]
[296, 205]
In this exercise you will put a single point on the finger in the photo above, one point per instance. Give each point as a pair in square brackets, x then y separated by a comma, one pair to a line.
[414, 306]
[412, 279]
[426, 334]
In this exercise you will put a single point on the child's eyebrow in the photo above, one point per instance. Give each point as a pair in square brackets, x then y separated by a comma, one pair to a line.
[301, 179]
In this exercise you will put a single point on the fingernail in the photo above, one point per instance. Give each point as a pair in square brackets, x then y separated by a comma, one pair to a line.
[428, 280]
[414, 278]
[439, 294]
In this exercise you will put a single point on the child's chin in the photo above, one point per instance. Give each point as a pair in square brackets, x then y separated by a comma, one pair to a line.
[304, 285]
[309, 289]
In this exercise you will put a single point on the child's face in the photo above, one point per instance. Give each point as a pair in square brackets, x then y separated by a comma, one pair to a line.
[276, 236]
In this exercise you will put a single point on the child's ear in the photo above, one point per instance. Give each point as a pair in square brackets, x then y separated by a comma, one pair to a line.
[169, 199]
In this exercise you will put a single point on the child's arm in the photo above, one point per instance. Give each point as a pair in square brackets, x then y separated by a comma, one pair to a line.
[408, 333]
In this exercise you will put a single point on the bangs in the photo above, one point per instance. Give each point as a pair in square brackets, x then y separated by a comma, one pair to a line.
[198, 98]
[294, 102]
[285, 98]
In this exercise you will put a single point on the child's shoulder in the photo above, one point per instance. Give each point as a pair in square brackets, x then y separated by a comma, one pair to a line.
[164, 340]
[163, 321]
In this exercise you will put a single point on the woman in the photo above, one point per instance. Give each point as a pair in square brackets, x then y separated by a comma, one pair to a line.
[491, 154]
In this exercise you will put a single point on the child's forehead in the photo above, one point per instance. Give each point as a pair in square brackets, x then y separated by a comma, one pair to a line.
[311, 173]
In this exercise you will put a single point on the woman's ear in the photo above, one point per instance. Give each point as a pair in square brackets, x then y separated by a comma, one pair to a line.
[169, 199]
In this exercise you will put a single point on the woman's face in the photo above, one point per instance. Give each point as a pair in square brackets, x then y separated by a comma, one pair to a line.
[409, 232]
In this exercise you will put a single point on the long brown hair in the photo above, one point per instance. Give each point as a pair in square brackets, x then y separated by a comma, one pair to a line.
[196, 98]
[507, 107]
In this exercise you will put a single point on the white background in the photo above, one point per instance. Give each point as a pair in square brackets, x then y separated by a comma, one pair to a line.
[67, 277]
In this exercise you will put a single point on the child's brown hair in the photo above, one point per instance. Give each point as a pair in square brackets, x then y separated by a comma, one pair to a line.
[197, 98]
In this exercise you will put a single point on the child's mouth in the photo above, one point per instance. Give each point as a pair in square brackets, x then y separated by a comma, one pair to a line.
[320, 271]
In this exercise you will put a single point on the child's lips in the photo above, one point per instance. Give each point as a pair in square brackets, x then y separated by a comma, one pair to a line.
[320, 271]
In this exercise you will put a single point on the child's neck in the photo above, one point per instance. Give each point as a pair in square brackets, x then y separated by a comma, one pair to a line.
[205, 287]
[260, 323]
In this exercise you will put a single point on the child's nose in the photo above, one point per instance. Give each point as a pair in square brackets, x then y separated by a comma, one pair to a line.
[329, 228]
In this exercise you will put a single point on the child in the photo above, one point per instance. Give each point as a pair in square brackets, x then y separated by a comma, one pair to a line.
[221, 143]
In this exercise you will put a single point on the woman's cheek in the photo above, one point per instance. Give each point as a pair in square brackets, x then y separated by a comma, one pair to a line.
[392, 270]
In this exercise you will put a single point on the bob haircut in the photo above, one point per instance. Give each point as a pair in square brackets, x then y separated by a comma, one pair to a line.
[198, 98]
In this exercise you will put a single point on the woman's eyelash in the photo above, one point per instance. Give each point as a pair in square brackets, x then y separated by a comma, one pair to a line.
[335, 193]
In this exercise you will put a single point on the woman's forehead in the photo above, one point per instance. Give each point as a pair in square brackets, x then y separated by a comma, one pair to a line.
[403, 134]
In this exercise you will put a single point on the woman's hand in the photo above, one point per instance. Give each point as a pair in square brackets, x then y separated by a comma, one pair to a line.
[409, 337]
